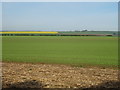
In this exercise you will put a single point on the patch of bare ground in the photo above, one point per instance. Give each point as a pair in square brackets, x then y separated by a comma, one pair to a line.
[27, 75]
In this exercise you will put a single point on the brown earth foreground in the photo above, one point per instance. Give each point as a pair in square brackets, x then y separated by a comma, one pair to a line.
[28, 75]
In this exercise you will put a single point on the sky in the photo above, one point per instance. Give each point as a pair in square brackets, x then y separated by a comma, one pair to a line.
[0, 16]
[59, 16]
[59, 0]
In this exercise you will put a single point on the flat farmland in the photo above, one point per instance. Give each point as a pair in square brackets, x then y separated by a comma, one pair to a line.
[72, 50]
[59, 62]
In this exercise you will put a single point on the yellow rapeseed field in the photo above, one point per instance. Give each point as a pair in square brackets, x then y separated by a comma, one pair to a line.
[24, 32]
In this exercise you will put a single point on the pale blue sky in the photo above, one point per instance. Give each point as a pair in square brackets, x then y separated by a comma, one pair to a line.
[51, 16]
[0, 16]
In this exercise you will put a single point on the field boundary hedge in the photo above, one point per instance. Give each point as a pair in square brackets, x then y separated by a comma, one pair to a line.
[56, 35]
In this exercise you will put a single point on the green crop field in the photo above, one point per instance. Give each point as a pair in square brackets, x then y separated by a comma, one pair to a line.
[75, 50]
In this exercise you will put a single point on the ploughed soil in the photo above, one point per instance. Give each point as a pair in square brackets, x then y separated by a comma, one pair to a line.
[28, 75]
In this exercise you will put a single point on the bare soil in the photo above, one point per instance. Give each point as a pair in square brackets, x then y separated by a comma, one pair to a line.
[28, 75]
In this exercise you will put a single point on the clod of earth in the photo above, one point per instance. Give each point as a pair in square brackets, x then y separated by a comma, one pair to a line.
[26, 75]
